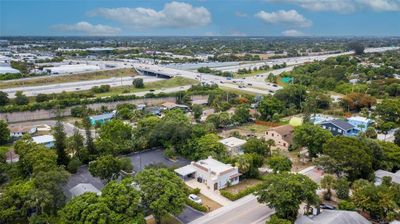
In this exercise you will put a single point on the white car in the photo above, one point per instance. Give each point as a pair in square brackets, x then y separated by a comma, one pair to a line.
[195, 198]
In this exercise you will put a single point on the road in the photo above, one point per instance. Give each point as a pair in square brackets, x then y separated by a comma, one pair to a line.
[76, 86]
[245, 210]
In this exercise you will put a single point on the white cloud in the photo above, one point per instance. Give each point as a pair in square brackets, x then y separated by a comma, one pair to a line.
[344, 6]
[292, 33]
[291, 17]
[88, 28]
[173, 15]
[381, 5]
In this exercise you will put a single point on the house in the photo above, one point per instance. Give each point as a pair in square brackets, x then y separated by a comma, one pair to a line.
[80, 189]
[102, 118]
[380, 174]
[153, 110]
[233, 145]
[360, 123]
[46, 140]
[320, 118]
[339, 127]
[282, 136]
[333, 217]
[11, 157]
[171, 106]
[141, 106]
[213, 173]
[19, 131]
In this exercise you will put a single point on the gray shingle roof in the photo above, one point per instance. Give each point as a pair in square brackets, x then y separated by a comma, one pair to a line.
[334, 217]
[340, 124]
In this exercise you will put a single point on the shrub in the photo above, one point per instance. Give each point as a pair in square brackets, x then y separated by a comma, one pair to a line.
[346, 205]
[74, 165]
[196, 206]
[126, 164]
[194, 191]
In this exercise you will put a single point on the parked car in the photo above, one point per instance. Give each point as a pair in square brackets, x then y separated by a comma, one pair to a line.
[195, 198]
[327, 207]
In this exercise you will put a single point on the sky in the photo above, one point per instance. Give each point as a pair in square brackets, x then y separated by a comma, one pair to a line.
[200, 18]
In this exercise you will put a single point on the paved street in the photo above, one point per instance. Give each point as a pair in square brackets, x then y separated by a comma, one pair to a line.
[76, 86]
[245, 210]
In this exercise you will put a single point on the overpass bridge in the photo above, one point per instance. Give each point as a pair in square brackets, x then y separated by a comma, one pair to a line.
[155, 70]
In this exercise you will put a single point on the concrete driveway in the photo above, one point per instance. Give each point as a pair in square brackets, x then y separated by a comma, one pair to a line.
[213, 195]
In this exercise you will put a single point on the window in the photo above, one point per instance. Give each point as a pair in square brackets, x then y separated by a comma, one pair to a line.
[272, 134]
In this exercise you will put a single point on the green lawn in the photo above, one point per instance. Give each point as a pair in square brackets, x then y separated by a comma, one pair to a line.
[236, 75]
[174, 82]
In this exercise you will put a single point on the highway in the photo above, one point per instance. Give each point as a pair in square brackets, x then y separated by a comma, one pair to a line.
[76, 86]
[245, 210]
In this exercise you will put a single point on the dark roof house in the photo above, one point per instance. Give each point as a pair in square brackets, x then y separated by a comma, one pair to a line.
[339, 127]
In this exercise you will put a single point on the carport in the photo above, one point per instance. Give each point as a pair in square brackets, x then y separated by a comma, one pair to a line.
[186, 172]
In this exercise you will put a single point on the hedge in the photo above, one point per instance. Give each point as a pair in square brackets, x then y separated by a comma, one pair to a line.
[241, 194]
[196, 206]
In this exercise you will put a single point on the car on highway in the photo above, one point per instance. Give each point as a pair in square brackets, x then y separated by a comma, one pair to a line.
[195, 198]
[249, 84]
[274, 85]
[152, 90]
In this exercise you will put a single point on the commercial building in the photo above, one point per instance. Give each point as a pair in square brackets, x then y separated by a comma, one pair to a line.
[281, 135]
[63, 69]
[213, 173]
[46, 140]
[233, 145]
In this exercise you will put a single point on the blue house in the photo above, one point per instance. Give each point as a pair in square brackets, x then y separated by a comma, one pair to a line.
[360, 123]
[102, 118]
[339, 127]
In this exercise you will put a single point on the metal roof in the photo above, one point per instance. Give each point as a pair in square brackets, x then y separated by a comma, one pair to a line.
[43, 139]
[185, 170]
[340, 124]
[83, 188]
[333, 217]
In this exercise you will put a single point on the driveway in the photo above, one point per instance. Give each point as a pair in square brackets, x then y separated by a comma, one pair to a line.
[189, 214]
[213, 195]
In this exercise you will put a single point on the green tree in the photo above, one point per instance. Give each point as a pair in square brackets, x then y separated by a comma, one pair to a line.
[138, 83]
[357, 47]
[60, 143]
[20, 98]
[342, 188]
[75, 144]
[276, 220]
[269, 106]
[371, 133]
[88, 133]
[346, 205]
[41, 97]
[197, 111]
[346, 156]
[378, 201]
[4, 133]
[397, 137]
[292, 95]
[258, 146]
[106, 167]
[328, 182]
[207, 145]
[279, 163]
[168, 199]
[248, 164]
[285, 192]
[389, 110]
[312, 137]
[115, 137]
[242, 114]
[4, 100]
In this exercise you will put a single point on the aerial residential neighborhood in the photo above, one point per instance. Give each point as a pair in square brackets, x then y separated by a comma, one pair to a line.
[200, 112]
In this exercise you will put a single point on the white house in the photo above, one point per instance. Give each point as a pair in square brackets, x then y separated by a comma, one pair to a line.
[19, 131]
[233, 145]
[213, 173]
[46, 140]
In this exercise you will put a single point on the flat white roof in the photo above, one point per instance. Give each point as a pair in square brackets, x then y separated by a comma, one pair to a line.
[383, 173]
[214, 165]
[42, 139]
[233, 142]
[185, 170]
[6, 69]
[359, 119]
[83, 188]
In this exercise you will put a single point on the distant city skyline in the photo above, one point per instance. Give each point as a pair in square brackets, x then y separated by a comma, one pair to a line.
[200, 18]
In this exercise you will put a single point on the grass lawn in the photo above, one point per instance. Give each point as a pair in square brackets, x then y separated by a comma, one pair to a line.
[168, 219]
[157, 85]
[68, 78]
[243, 184]
[237, 91]
[252, 73]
